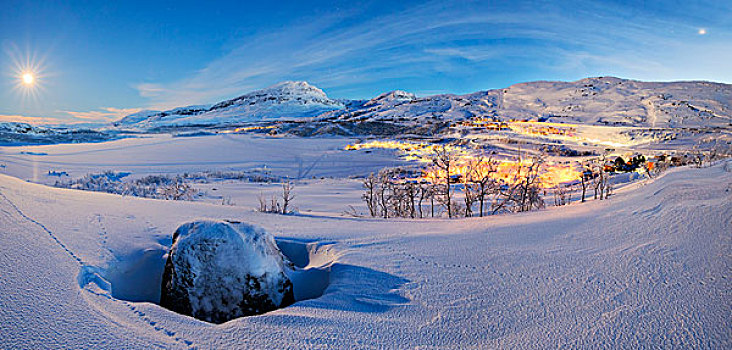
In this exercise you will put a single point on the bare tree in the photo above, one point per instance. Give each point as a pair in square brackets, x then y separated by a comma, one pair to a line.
[481, 174]
[529, 195]
[410, 194]
[523, 191]
[273, 205]
[444, 159]
[585, 176]
[262, 203]
[560, 195]
[599, 178]
[431, 189]
[476, 180]
[287, 196]
[424, 192]
[370, 184]
[433, 192]
[384, 192]
[392, 194]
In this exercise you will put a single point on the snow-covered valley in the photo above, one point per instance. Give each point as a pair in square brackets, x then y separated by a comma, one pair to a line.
[647, 268]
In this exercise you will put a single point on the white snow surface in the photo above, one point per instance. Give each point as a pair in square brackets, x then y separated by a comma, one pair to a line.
[648, 268]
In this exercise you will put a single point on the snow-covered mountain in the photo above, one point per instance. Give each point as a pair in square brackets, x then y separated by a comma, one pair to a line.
[285, 101]
[596, 101]
[600, 101]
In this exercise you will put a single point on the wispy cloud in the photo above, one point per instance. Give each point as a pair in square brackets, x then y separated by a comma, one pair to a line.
[30, 120]
[102, 115]
[347, 53]
[105, 114]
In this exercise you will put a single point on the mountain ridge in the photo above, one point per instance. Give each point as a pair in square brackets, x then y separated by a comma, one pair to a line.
[594, 100]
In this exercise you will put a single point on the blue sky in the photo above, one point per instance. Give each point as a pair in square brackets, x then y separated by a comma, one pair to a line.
[100, 60]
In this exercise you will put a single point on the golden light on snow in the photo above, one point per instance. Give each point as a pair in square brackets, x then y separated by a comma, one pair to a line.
[507, 170]
[702, 31]
[28, 78]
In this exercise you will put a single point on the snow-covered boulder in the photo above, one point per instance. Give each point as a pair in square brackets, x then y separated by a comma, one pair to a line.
[218, 270]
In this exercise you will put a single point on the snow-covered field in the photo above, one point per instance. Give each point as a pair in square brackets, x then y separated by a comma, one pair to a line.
[320, 167]
[297, 158]
[647, 268]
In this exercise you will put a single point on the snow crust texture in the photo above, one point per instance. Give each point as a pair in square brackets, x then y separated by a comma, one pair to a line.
[217, 271]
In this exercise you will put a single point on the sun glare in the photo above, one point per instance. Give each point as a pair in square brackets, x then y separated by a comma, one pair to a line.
[28, 78]
[30, 74]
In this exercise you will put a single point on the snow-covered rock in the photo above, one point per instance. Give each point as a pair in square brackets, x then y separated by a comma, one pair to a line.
[218, 270]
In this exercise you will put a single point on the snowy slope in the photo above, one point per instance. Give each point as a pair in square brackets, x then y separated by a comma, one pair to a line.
[284, 101]
[615, 101]
[647, 268]
[148, 116]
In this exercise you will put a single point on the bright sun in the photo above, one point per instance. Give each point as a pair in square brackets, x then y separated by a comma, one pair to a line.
[29, 75]
[28, 78]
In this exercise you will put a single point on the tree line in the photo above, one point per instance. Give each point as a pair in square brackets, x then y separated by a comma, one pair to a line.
[389, 193]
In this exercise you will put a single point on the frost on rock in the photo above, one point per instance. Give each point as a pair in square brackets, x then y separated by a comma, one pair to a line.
[217, 271]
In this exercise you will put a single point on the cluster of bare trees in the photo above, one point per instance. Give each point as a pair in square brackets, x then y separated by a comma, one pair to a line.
[387, 194]
[278, 204]
[594, 177]
[600, 179]
[457, 186]
[522, 192]
[563, 194]
[474, 190]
